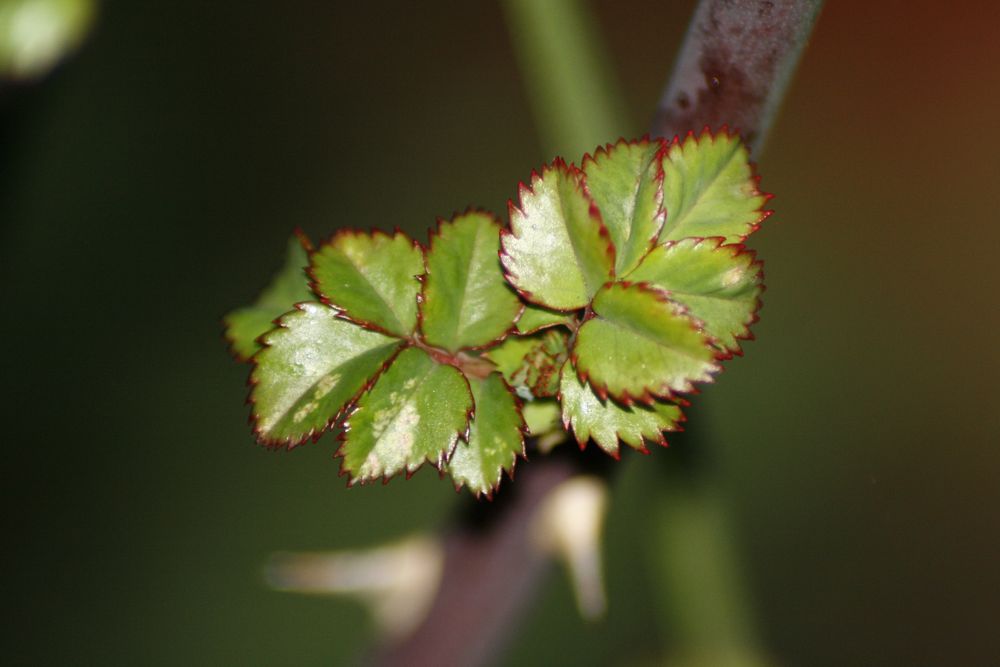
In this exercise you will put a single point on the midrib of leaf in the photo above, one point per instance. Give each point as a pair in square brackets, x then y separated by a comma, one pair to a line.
[572, 244]
[364, 276]
[642, 334]
[703, 188]
[395, 418]
[312, 388]
[633, 202]
[465, 287]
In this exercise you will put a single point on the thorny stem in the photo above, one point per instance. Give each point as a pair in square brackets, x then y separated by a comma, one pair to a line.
[733, 68]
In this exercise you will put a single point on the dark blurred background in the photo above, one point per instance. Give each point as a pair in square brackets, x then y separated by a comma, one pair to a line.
[148, 184]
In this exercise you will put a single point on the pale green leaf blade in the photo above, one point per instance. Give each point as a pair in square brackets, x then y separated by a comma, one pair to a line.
[414, 413]
[607, 422]
[535, 318]
[371, 278]
[311, 367]
[709, 189]
[557, 252]
[289, 286]
[541, 417]
[720, 285]
[641, 345]
[466, 301]
[496, 438]
[626, 182]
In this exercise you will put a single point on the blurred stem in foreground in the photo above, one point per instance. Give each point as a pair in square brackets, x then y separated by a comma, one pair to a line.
[567, 70]
[696, 562]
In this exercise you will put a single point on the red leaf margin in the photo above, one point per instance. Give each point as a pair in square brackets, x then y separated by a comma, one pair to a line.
[650, 394]
[289, 444]
[570, 170]
[352, 231]
[439, 464]
[432, 234]
[724, 130]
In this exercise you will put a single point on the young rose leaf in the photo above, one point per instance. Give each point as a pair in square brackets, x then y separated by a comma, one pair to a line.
[312, 365]
[717, 284]
[535, 318]
[288, 287]
[414, 413]
[496, 438]
[607, 422]
[466, 300]
[371, 279]
[539, 370]
[626, 182]
[709, 189]
[641, 345]
[557, 252]
[509, 355]
[531, 363]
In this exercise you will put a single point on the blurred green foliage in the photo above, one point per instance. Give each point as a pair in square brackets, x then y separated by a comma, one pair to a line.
[35, 34]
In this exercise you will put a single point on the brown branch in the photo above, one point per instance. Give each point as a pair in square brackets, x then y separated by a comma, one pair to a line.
[735, 64]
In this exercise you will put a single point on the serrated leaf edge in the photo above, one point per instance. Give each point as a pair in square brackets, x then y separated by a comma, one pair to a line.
[523, 189]
[522, 429]
[736, 250]
[616, 454]
[650, 394]
[603, 152]
[724, 130]
[422, 279]
[385, 479]
[314, 434]
[353, 231]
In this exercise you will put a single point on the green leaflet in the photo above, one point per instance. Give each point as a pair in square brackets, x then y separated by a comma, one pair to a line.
[535, 318]
[496, 438]
[626, 182]
[371, 278]
[414, 413]
[720, 285]
[466, 301]
[288, 287]
[311, 367]
[641, 345]
[607, 422]
[557, 252]
[709, 189]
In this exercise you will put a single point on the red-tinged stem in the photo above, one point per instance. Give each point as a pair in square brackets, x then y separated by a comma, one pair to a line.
[736, 62]
[472, 366]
